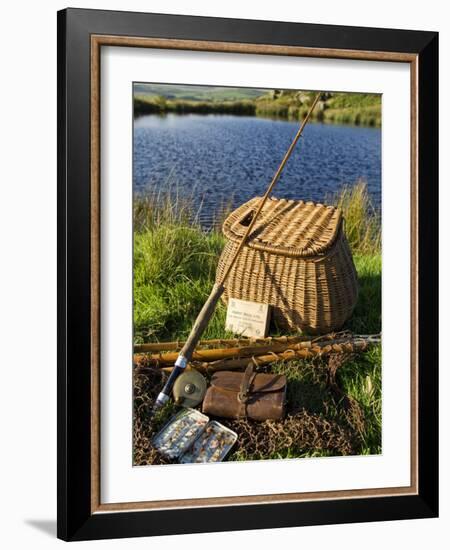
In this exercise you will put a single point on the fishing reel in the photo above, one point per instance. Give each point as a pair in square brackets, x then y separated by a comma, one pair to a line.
[189, 389]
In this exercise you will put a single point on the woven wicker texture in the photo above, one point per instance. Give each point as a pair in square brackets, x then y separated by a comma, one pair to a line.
[297, 259]
[293, 228]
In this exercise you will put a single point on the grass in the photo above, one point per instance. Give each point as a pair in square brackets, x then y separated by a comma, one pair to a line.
[341, 108]
[174, 269]
[160, 105]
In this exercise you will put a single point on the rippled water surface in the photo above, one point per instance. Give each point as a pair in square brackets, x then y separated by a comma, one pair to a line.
[232, 158]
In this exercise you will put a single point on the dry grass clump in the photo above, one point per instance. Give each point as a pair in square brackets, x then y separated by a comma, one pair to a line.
[362, 224]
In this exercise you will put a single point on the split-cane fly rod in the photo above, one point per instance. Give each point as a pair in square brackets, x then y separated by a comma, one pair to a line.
[208, 308]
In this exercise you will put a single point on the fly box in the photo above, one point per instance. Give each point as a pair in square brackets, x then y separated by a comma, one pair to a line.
[179, 433]
[212, 445]
[191, 438]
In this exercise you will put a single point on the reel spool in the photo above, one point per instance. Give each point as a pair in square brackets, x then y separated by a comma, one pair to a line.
[189, 389]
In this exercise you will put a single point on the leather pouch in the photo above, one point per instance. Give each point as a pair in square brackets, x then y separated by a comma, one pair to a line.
[249, 394]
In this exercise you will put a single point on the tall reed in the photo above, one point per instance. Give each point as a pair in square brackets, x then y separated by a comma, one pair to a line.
[362, 222]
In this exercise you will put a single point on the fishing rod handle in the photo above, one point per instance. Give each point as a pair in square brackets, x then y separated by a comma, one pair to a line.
[164, 394]
[201, 322]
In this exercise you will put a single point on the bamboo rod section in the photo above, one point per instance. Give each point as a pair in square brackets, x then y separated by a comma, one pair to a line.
[300, 351]
[156, 347]
[209, 355]
[322, 349]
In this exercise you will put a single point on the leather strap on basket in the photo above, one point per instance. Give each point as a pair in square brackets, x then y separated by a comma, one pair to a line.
[244, 390]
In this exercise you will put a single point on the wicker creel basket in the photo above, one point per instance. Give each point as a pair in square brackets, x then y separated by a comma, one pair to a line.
[296, 259]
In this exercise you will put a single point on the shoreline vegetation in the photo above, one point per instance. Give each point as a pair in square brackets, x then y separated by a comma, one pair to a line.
[175, 262]
[339, 108]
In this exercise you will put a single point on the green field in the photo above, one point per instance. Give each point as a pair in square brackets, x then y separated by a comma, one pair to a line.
[334, 405]
[197, 93]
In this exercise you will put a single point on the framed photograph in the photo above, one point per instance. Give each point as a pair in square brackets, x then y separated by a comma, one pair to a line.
[247, 256]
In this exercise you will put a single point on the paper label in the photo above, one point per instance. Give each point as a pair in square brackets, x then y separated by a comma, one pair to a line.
[247, 318]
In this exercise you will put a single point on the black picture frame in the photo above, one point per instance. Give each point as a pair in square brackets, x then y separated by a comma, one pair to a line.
[76, 520]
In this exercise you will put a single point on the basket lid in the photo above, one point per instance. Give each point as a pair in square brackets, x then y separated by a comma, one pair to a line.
[287, 227]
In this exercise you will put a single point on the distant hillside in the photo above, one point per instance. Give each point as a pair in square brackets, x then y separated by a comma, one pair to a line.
[339, 107]
[197, 93]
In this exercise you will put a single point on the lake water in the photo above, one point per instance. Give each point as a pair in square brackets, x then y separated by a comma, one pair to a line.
[225, 158]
